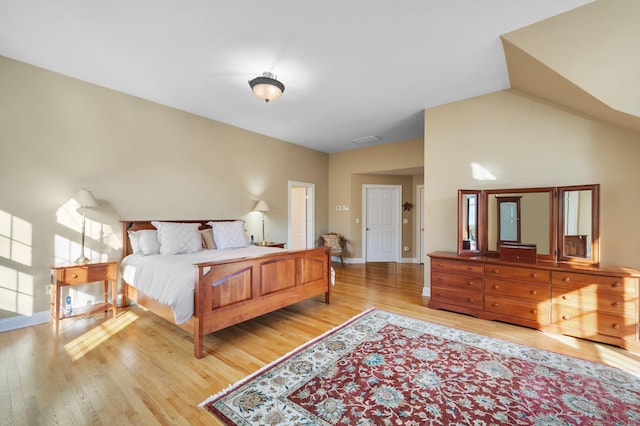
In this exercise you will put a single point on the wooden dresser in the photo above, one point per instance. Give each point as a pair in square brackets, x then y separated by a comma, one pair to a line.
[598, 303]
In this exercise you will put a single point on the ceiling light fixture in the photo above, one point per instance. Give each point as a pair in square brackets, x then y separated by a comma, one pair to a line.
[267, 87]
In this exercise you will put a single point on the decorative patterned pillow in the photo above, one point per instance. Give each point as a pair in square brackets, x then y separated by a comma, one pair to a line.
[228, 235]
[207, 239]
[148, 241]
[333, 241]
[178, 238]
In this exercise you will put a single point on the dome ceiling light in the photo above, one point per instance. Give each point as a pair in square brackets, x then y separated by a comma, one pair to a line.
[267, 87]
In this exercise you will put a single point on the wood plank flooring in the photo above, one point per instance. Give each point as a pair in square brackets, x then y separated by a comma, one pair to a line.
[139, 369]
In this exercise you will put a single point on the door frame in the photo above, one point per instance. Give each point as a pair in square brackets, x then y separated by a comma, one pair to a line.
[397, 226]
[420, 221]
[311, 215]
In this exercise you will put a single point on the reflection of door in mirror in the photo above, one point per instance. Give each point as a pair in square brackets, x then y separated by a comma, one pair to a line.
[508, 219]
[577, 223]
[470, 228]
[469, 216]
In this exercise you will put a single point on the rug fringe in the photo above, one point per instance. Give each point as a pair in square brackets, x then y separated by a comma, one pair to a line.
[246, 379]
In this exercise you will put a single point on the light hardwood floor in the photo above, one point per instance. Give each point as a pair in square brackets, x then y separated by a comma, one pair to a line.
[138, 369]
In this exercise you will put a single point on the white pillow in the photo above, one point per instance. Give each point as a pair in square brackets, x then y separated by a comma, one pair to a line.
[178, 238]
[148, 239]
[134, 240]
[229, 235]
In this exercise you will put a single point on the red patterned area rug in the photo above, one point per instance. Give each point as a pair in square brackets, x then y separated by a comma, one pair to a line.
[381, 368]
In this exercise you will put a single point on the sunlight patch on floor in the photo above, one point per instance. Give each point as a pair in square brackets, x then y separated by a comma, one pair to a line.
[82, 345]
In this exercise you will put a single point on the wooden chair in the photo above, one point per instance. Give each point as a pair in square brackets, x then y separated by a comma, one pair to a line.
[338, 244]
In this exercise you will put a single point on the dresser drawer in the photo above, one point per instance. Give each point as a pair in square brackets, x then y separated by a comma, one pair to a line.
[457, 267]
[521, 290]
[457, 297]
[587, 300]
[517, 274]
[461, 282]
[84, 274]
[595, 283]
[523, 309]
[594, 322]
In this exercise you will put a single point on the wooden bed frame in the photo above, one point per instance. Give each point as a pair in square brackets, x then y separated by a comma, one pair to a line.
[232, 291]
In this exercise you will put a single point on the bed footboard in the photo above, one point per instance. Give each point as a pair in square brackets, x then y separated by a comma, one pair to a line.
[230, 292]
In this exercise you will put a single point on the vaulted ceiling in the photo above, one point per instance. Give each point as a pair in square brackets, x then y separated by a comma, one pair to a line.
[351, 69]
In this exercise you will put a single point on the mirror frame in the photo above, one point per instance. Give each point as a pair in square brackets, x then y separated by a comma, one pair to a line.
[462, 197]
[595, 224]
[551, 191]
[556, 222]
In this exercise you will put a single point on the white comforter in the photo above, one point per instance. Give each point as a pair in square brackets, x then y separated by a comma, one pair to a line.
[170, 279]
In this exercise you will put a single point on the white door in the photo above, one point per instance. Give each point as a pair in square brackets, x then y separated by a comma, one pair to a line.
[301, 216]
[382, 228]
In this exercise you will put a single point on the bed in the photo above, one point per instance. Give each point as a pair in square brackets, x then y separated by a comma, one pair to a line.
[227, 289]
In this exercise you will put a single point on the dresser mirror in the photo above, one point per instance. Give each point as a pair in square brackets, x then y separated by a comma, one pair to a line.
[562, 222]
[468, 225]
[578, 223]
[524, 216]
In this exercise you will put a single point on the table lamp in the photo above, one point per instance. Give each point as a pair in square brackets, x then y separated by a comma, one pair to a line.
[262, 207]
[85, 199]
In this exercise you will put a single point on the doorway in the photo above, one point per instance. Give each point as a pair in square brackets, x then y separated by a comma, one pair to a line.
[301, 215]
[381, 223]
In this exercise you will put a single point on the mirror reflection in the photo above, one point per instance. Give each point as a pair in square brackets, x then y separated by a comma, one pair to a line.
[563, 222]
[577, 223]
[520, 217]
[508, 219]
[469, 214]
[579, 230]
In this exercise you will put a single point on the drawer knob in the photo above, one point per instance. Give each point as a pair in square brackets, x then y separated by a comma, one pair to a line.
[440, 279]
[469, 268]
[440, 264]
[616, 326]
[534, 311]
[74, 275]
[616, 304]
[564, 297]
[534, 291]
[441, 294]
[565, 317]
[470, 283]
[616, 285]
[471, 299]
[496, 270]
[496, 286]
[534, 275]
[495, 305]
[566, 279]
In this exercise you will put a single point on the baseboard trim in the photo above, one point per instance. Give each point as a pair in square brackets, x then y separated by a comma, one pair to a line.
[21, 321]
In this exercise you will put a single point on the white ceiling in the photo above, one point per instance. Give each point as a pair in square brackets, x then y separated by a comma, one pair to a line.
[351, 68]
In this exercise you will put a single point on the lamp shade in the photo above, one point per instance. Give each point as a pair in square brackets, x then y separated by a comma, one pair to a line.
[267, 87]
[261, 207]
[85, 198]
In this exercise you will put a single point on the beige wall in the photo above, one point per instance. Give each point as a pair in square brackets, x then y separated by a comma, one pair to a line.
[525, 142]
[140, 160]
[349, 170]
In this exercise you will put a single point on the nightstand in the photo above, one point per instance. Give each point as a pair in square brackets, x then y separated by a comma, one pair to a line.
[273, 244]
[71, 275]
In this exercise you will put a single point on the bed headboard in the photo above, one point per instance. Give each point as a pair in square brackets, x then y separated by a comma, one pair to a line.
[137, 225]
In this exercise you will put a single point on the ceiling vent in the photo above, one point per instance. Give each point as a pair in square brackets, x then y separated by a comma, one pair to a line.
[366, 139]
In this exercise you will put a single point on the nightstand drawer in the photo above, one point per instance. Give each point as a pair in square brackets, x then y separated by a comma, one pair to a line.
[83, 274]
